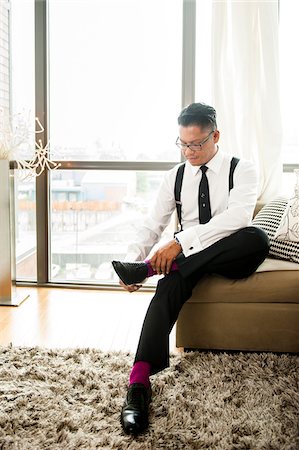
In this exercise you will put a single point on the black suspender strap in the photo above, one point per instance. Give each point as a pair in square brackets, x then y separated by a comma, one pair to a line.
[177, 192]
[233, 164]
[179, 181]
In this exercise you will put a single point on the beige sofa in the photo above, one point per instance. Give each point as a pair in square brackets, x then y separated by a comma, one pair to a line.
[258, 313]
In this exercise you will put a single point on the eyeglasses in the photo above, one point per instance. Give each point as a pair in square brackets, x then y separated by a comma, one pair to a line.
[193, 147]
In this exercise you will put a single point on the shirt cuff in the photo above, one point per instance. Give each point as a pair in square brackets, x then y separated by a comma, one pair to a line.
[190, 242]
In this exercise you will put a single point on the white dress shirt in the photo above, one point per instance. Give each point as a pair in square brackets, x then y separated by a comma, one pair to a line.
[230, 211]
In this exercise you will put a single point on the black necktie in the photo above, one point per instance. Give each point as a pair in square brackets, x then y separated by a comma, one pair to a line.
[204, 206]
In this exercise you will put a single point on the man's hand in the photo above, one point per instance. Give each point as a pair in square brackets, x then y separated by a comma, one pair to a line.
[164, 257]
[130, 287]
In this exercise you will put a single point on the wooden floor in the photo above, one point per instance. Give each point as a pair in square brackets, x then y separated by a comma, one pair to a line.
[63, 318]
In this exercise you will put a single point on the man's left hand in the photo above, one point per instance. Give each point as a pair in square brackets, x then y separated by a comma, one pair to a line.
[163, 258]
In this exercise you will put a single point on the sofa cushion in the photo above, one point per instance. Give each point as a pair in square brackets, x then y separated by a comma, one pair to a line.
[274, 264]
[269, 218]
[266, 287]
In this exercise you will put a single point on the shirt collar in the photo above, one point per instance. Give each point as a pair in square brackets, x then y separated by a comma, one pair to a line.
[214, 164]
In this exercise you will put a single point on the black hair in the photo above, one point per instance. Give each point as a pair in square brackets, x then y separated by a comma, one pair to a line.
[198, 114]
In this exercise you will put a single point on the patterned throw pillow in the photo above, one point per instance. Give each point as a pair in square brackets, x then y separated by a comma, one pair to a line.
[288, 229]
[268, 219]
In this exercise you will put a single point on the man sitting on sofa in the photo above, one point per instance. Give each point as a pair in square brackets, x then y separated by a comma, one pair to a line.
[215, 196]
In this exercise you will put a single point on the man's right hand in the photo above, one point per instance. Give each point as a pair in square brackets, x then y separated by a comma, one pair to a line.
[130, 287]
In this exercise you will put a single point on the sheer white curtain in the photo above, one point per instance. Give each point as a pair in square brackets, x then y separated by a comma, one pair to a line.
[245, 85]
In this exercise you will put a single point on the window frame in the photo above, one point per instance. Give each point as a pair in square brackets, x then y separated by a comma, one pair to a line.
[41, 109]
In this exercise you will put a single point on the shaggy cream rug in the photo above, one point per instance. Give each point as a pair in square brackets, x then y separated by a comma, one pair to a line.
[71, 399]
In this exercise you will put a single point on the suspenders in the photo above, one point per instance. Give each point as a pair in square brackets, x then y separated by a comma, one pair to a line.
[233, 164]
[179, 181]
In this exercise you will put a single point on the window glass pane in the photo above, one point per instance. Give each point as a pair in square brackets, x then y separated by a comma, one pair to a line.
[4, 58]
[22, 119]
[94, 216]
[288, 185]
[115, 79]
[203, 61]
[22, 75]
[289, 75]
[25, 218]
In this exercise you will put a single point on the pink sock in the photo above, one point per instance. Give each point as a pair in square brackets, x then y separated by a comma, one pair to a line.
[174, 266]
[140, 373]
[151, 271]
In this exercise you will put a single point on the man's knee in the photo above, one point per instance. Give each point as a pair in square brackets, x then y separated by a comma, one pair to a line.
[257, 237]
[171, 281]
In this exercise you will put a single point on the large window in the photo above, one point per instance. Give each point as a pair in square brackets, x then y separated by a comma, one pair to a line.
[115, 92]
[108, 89]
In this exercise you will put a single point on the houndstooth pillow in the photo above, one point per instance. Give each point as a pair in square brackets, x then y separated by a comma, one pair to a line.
[288, 229]
[268, 219]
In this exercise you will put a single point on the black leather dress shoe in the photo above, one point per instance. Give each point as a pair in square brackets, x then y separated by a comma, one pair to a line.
[130, 272]
[134, 414]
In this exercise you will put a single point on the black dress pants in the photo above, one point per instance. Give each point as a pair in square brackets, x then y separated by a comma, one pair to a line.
[236, 256]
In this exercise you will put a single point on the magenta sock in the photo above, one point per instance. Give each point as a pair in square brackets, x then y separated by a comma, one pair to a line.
[151, 271]
[174, 266]
[140, 373]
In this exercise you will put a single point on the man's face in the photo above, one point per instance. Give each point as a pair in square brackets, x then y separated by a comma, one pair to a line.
[194, 134]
